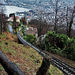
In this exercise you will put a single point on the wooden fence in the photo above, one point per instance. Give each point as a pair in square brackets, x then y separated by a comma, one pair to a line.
[10, 67]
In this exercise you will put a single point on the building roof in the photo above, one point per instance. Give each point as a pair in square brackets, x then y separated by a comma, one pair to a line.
[32, 31]
[11, 19]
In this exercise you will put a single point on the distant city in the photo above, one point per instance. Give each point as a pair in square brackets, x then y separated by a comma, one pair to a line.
[42, 8]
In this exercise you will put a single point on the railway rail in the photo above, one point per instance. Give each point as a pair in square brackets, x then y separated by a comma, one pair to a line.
[65, 68]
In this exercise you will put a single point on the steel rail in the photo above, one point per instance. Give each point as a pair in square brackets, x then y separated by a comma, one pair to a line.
[65, 68]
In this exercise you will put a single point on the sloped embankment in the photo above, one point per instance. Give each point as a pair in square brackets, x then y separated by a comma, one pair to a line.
[24, 56]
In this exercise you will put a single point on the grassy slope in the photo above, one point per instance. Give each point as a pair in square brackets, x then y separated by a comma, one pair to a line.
[24, 56]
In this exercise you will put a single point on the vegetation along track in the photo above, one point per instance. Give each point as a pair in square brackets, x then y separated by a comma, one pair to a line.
[67, 70]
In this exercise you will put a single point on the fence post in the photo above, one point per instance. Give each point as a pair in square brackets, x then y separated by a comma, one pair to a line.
[43, 70]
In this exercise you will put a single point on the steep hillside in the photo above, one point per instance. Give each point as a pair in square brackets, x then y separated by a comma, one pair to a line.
[24, 56]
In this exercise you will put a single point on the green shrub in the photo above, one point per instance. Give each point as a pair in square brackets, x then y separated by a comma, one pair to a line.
[73, 37]
[30, 38]
[69, 49]
[56, 40]
[60, 44]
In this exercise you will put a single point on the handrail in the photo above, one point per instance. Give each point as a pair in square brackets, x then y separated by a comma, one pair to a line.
[10, 67]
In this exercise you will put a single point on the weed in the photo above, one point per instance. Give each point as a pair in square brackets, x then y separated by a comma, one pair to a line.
[1, 68]
[3, 35]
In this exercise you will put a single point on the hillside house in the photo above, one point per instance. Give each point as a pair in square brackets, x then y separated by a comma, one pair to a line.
[12, 18]
[32, 31]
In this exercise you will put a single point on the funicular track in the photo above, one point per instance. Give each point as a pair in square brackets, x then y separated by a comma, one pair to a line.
[65, 68]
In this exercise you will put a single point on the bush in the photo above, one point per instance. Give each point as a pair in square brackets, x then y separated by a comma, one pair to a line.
[69, 49]
[41, 46]
[30, 38]
[73, 37]
[60, 44]
[56, 40]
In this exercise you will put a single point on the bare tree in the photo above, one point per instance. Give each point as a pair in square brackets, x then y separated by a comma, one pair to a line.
[0, 24]
[56, 10]
[69, 20]
[24, 20]
[14, 22]
[3, 19]
[41, 25]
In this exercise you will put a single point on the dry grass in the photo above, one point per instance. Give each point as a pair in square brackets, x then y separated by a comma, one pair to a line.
[24, 56]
